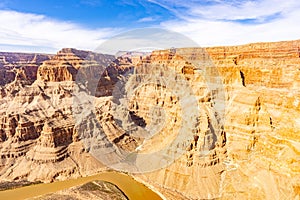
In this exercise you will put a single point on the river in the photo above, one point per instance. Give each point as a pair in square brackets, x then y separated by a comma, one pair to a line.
[132, 188]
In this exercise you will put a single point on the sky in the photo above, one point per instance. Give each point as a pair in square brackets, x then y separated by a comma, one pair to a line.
[49, 25]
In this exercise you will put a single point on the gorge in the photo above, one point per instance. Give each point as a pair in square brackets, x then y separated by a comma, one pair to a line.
[226, 119]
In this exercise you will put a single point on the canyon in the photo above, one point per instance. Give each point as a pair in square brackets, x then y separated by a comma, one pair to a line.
[189, 123]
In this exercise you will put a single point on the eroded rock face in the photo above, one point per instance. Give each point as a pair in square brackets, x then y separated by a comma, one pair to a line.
[37, 128]
[241, 140]
[38, 135]
[63, 66]
[204, 146]
[20, 66]
[262, 118]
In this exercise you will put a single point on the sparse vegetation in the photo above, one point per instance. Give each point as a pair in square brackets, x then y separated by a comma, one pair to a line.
[13, 185]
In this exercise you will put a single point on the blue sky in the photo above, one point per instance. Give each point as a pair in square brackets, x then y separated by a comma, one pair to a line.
[96, 13]
[48, 25]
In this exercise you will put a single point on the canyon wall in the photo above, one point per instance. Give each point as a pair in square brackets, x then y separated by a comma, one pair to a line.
[261, 159]
[237, 109]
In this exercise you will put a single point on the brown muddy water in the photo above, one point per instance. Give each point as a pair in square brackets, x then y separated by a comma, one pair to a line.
[131, 188]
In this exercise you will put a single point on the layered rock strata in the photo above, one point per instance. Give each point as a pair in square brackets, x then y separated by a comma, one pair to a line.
[20, 66]
[237, 108]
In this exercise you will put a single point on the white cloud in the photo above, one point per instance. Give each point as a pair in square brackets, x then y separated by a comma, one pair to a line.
[245, 10]
[147, 19]
[24, 30]
[209, 24]
[145, 39]
[215, 24]
[91, 2]
[227, 10]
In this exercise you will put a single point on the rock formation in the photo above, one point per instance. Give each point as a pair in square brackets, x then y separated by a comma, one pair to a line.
[233, 113]
[20, 66]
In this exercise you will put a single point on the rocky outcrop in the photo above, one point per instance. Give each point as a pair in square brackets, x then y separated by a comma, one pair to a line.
[102, 70]
[63, 66]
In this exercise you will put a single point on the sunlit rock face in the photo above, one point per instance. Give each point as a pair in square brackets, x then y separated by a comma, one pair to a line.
[262, 119]
[226, 118]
